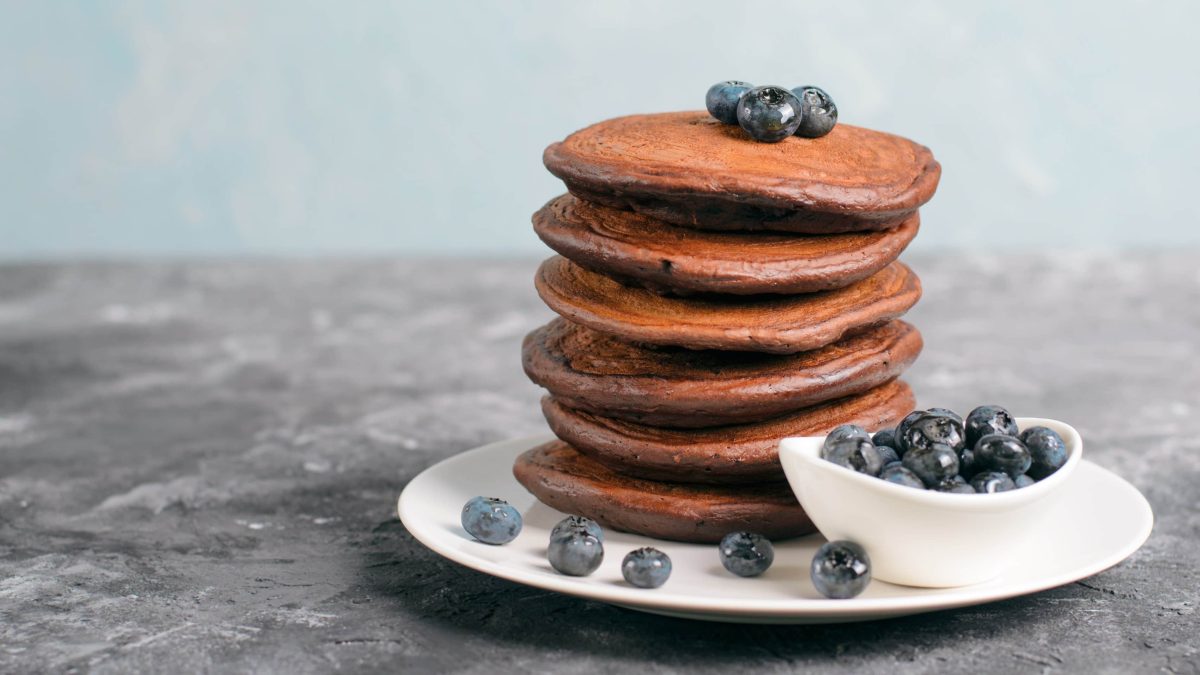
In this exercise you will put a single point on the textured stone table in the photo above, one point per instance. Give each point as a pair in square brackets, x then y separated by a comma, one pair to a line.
[199, 464]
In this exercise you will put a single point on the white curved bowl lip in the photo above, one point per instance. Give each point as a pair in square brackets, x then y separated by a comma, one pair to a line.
[808, 448]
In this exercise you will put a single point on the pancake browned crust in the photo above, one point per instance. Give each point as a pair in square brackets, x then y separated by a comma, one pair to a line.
[689, 169]
[565, 480]
[675, 387]
[743, 453]
[773, 324]
[657, 255]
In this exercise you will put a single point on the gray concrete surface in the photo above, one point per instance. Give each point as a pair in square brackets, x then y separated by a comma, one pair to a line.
[199, 463]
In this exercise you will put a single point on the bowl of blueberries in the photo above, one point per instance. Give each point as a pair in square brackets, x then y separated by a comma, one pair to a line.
[940, 500]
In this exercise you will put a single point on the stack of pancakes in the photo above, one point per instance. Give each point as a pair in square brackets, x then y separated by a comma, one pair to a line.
[716, 295]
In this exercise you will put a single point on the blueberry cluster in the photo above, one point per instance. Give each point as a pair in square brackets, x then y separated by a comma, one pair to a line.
[840, 569]
[577, 549]
[576, 543]
[770, 113]
[936, 449]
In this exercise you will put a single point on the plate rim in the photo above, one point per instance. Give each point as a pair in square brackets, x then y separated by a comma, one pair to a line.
[790, 607]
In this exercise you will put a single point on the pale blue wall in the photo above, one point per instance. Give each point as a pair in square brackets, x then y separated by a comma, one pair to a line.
[250, 127]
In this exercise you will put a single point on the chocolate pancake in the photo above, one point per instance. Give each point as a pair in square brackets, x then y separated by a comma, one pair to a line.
[689, 169]
[657, 255]
[566, 480]
[742, 453]
[774, 324]
[675, 387]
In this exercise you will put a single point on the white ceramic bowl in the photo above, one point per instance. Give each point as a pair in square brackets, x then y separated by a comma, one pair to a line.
[922, 537]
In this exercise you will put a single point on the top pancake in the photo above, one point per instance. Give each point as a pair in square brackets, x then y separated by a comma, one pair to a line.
[771, 324]
[689, 169]
[657, 255]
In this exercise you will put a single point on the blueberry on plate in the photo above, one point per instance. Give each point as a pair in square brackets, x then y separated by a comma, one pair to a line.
[840, 570]
[946, 412]
[818, 112]
[988, 419]
[577, 524]
[491, 520]
[903, 427]
[746, 554]
[887, 453]
[956, 484]
[646, 567]
[933, 463]
[722, 100]
[769, 114]
[899, 474]
[575, 553]
[1023, 481]
[1047, 448]
[884, 437]
[856, 454]
[992, 481]
[933, 428]
[996, 452]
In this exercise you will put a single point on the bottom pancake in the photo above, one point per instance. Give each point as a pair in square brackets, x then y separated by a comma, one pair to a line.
[568, 481]
[742, 453]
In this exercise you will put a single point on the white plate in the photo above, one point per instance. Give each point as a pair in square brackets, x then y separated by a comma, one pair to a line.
[1100, 521]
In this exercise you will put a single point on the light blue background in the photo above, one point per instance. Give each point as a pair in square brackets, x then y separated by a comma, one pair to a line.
[288, 127]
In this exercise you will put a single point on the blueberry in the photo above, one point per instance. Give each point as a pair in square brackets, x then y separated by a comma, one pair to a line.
[988, 419]
[746, 554]
[819, 113]
[887, 453]
[1048, 450]
[856, 454]
[1023, 481]
[903, 427]
[577, 554]
[491, 520]
[884, 437]
[722, 100]
[946, 412]
[646, 567]
[769, 113]
[899, 474]
[933, 428]
[956, 484]
[932, 463]
[995, 452]
[840, 570]
[577, 524]
[992, 481]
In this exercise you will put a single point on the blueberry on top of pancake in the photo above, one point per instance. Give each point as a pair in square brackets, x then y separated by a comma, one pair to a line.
[687, 168]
